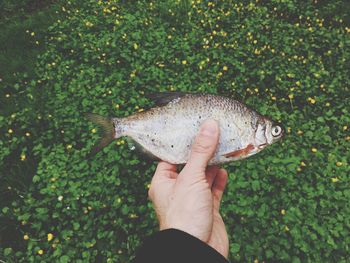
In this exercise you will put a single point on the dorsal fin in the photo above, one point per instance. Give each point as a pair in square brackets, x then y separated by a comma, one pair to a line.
[163, 98]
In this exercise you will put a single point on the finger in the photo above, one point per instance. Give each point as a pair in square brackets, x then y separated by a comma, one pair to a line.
[162, 177]
[165, 169]
[203, 147]
[219, 187]
[211, 173]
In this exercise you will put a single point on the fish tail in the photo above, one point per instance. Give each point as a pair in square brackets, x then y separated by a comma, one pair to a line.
[108, 133]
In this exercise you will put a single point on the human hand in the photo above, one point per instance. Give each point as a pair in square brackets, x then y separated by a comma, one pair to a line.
[190, 201]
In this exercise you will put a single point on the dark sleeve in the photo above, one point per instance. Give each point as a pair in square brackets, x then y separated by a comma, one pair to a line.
[173, 245]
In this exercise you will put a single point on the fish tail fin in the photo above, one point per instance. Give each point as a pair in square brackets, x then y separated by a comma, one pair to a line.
[108, 133]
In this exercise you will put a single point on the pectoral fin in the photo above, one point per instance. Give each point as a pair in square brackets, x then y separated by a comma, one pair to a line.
[240, 152]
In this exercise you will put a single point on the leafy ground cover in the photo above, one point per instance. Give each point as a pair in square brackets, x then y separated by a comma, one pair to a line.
[287, 59]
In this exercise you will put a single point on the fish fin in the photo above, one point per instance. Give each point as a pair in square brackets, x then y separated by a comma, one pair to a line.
[142, 150]
[241, 152]
[163, 98]
[108, 131]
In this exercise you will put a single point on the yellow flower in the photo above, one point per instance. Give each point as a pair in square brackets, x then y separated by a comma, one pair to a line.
[311, 100]
[23, 157]
[184, 62]
[314, 150]
[345, 128]
[302, 164]
[136, 46]
[25, 237]
[335, 179]
[7, 95]
[286, 228]
[273, 98]
[10, 131]
[69, 146]
[32, 34]
[283, 212]
[93, 130]
[40, 251]
[49, 237]
[89, 24]
[328, 104]
[339, 164]
[225, 68]
[290, 96]
[27, 134]
[300, 132]
[117, 106]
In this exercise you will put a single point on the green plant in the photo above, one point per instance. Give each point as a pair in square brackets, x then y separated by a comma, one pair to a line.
[288, 203]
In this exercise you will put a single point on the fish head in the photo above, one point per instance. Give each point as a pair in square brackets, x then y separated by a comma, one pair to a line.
[267, 132]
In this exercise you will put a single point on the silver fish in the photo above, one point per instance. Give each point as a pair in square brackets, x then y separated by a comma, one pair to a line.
[167, 131]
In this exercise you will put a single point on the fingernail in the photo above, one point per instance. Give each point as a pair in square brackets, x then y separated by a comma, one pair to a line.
[209, 127]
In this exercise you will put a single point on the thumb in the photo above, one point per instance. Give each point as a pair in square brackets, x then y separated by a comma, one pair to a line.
[203, 147]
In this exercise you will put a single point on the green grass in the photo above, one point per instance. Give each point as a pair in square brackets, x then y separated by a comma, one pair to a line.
[23, 32]
[286, 59]
[18, 48]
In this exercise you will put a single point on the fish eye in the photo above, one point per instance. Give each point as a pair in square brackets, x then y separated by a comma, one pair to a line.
[276, 131]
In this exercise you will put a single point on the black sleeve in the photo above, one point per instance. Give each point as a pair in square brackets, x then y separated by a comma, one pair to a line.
[173, 245]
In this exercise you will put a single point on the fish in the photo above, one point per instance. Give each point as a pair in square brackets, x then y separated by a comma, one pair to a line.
[167, 130]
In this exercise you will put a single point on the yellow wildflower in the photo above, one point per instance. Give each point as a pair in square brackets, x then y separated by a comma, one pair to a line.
[311, 100]
[184, 62]
[40, 251]
[283, 212]
[224, 68]
[290, 96]
[93, 130]
[314, 150]
[89, 24]
[25, 237]
[49, 237]
[339, 164]
[136, 46]
[23, 157]
[335, 179]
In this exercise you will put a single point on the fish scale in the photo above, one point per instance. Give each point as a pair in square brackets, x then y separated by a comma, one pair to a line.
[167, 131]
